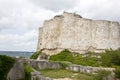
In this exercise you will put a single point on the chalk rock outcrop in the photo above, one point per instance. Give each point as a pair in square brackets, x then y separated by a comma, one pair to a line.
[71, 31]
[17, 72]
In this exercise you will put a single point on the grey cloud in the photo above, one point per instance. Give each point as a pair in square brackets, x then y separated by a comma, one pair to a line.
[99, 9]
[55, 5]
[21, 14]
[26, 15]
[26, 41]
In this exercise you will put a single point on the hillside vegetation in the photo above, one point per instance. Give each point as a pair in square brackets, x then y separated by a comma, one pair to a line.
[110, 58]
[66, 55]
[6, 64]
[35, 55]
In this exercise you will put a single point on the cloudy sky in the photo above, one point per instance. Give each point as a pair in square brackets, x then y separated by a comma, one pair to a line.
[20, 19]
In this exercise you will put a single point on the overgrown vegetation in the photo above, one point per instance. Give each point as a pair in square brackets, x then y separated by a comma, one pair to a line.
[66, 55]
[35, 55]
[87, 60]
[102, 75]
[111, 58]
[62, 73]
[6, 63]
[117, 72]
[28, 71]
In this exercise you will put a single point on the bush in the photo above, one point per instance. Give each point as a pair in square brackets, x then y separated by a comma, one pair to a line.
[108, 58]
[35, 55]
[6, 63]
[28, 71]
[101, 75]
[111, 58]
[86, 61]
[117, 72]
[66, 55]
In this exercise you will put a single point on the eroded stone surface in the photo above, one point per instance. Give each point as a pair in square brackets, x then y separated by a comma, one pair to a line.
[17, 71]
[71, 31]
[88, 69]
[42, 64]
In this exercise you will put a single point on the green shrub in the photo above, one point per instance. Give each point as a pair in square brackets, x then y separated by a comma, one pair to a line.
[6, 63]
[28, 71]
[111, 58]
[86, 61]
[117, 72]
[106, 60]
[66, 55]
[37, 78]
[35, 55]
[101, 75]
[92, 61]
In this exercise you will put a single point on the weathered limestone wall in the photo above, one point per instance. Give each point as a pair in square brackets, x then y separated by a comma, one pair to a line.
[71, 31]
[42, 64]
[88, 69]
[17, 71]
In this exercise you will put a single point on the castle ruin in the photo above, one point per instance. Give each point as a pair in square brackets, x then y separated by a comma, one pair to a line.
[71, 31]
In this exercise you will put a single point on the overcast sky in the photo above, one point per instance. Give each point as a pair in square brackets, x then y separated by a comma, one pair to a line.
[20, 19]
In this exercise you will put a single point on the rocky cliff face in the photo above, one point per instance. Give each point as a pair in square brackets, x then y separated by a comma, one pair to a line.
[71, 31]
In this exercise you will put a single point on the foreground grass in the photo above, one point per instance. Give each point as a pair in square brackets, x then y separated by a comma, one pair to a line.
[62, 73]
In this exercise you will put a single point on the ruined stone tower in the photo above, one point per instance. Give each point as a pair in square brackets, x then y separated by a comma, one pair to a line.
[71, 31]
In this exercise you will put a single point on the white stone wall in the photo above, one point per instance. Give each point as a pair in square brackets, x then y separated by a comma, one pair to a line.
[88, 69]
[71, 31]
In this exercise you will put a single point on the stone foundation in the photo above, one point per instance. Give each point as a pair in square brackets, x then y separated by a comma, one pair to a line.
[88, 69]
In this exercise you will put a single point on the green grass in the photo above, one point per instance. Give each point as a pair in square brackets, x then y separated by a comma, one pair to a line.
[101, 75]
[28, 71]
[66, 55]
[111, 58]
[62, 73]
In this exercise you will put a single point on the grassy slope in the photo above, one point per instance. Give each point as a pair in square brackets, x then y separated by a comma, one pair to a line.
[110, 58]
[62, 73]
